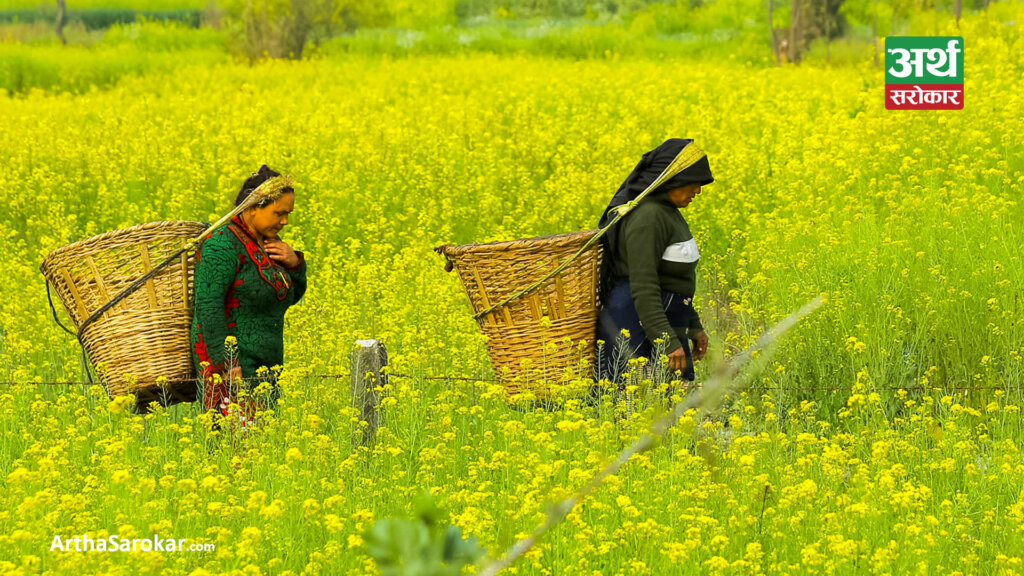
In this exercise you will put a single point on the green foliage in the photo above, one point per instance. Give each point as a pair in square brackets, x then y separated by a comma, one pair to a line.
[568, 40]
[281, 28]
[419, 14]
[155, 36]
[524, 8]
[132, 5]
[424, 546]
[98, 19]
[873, 12]
[124, 50]
[364, 14]
[263, 27]
[471, 9]
[709, 18]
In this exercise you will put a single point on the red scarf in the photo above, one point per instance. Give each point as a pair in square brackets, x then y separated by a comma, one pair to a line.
[271, 272]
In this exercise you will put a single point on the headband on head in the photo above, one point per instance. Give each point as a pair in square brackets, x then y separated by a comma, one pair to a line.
[267, 192]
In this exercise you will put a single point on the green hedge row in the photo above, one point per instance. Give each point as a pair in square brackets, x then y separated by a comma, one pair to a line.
[102, 18]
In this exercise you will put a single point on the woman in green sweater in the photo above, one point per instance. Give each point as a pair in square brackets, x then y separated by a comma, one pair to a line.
[246, 278]
[648, 277]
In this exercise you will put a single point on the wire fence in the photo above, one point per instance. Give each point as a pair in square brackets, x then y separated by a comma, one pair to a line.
[495, 381]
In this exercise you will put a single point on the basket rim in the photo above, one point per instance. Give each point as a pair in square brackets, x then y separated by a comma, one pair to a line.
[90, 244]
[519, 244]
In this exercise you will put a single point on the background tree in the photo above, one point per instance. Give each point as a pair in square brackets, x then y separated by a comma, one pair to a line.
[801, 23]
[62, 10]
[774, 36]
[281, 28]
[881, 17]
[794, 32]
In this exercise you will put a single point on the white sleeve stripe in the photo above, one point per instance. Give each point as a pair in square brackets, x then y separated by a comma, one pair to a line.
[682, 252]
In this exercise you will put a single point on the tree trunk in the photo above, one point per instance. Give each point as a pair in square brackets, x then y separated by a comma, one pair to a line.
[957, 6]
[298, 30]
[794, 32]
[892, 25]
[874, 32]
[828, 34]
[775, 39]
[61, 17]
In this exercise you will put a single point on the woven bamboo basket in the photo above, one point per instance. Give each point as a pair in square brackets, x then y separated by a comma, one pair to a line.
[491, 273]
[145, 335]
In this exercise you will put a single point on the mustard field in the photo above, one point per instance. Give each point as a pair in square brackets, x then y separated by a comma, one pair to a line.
[883, 435]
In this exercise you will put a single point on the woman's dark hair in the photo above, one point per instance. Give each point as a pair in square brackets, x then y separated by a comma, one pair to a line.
[254, 181]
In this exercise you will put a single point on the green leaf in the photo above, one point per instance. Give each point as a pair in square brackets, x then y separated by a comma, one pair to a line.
[459, 550]
[397, 545]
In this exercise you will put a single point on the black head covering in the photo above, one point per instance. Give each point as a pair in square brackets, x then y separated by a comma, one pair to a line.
[647, 171]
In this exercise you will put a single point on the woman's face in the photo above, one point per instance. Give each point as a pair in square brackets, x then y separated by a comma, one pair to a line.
[270, 219]
[683, 195]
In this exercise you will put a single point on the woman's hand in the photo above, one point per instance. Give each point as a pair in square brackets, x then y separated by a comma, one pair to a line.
[700, 344]
[281, 252]
[677, 360]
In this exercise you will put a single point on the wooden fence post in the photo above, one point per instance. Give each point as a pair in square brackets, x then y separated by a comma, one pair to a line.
[368, 358]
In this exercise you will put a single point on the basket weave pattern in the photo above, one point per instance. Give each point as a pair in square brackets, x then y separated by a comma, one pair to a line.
[146, 334]
[490, 273]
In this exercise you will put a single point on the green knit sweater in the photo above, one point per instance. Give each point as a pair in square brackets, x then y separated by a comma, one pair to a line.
[657, 252]
[240, 291]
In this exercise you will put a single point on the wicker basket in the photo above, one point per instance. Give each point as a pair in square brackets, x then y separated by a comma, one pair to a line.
[490, 273]
[145, 335]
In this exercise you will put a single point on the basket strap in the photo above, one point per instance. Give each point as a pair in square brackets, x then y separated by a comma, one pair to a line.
[85, 359]
[49, 299]
[687, 157]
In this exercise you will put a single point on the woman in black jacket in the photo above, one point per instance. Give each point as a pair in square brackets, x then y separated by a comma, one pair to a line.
[648, 276]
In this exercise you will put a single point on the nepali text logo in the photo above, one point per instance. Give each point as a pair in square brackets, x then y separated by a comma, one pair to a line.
[924, 73]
